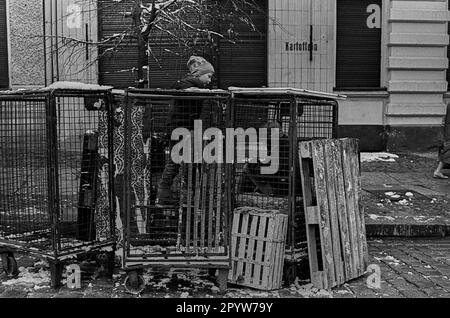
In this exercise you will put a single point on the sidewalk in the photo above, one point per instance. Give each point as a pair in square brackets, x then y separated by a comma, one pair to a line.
[403, 199]
[409, 268]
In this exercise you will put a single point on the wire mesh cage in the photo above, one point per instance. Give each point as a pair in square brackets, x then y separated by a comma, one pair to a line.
[176, 211]
[56, 168]
[273, 122]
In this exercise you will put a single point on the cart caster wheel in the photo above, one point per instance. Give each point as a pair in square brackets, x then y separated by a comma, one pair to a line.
[134, 283]
[10, 265]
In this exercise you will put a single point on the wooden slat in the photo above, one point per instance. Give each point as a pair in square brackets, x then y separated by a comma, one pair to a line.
[268, 251]
[325, 230]
[242, 244]
[190, 168]
[204, 183]
[181, 202]
[278, 253]
[336, 170]
[251, 251]
[307, 204]
[234, 242]
[259, 249]
[211, 185]
[197, 191]
[349, 186]
[312, 215]
[355, 211]
[333, 213]
[359, 212]
[219, 205]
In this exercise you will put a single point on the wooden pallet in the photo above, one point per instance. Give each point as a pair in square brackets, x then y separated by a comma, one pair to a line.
[258, 242]
[334, 218]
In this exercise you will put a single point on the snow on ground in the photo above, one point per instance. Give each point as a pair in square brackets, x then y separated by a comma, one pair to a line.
[390, 260]
[383, 217]
[378, 156]
[39, 279]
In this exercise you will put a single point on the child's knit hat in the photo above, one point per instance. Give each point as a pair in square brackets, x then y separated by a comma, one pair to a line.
[198, 66]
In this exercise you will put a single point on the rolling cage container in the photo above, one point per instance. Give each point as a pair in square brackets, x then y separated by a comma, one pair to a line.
[190, 228]
[56, 168]
[298, 115]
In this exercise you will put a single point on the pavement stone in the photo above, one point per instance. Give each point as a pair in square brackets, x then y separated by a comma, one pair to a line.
[412, 294]
[14, 293]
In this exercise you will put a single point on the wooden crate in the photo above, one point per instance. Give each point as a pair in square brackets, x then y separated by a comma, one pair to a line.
[258, 242]
[331, 183]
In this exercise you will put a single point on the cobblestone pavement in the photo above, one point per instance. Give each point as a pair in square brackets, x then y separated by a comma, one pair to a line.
[409, 269]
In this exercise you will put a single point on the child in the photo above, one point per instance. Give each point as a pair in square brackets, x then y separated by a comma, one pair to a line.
[182, 114]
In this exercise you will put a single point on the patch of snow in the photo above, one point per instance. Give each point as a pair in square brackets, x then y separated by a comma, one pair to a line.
[404, 202]
[409, 194]
[76, 86]
[378, 156]
[377, 217]
[25, 277]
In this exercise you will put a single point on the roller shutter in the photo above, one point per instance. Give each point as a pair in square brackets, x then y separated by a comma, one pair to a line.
[245, 62]
[240, 64]
[115, 68]
[4, 71]
[169, 55]
[448, 54]
[358, 47]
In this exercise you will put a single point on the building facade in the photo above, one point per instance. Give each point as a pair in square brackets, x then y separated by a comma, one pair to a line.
[390, 57]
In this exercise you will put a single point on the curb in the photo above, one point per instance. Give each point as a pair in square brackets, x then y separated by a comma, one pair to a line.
[407, 230]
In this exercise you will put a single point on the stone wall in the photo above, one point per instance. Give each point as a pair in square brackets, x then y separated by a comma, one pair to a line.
[27, 43]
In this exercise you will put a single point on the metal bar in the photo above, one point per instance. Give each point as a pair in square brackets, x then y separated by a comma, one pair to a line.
[127, 174]
[111, 169]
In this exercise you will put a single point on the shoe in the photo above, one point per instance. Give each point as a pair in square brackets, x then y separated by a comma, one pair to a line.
[439, 175]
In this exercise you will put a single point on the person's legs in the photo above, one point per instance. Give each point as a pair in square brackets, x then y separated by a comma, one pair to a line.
[164, 195]
[183, 115]
[438, 172]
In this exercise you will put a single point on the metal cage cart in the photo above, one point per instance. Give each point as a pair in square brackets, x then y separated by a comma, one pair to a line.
[190, 227]
[56, 168]
[274, 181]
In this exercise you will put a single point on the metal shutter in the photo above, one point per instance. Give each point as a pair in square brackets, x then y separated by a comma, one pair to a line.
[448, 54]
[168, 57]
[245, 63]
[358, 48]
[115, 68]
[4, 71]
